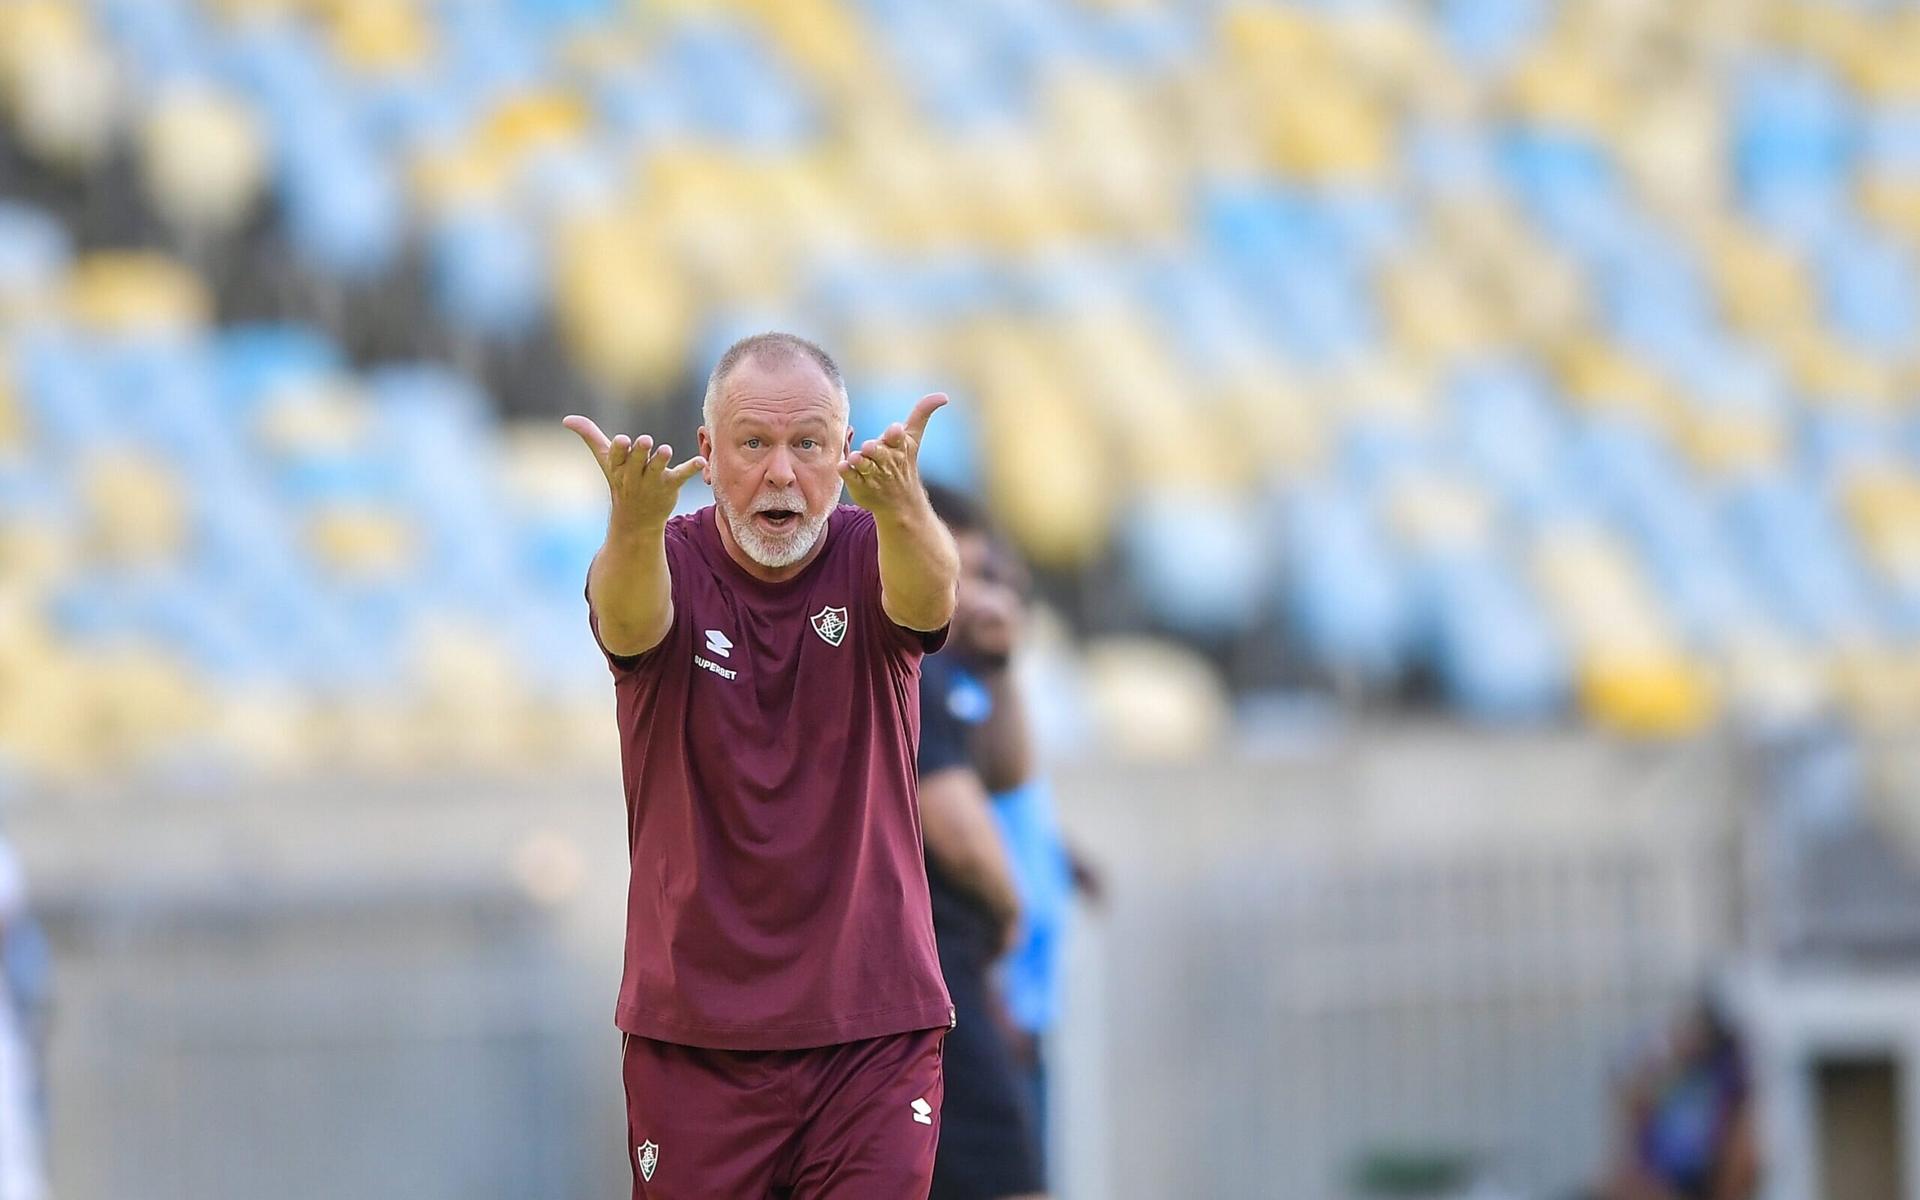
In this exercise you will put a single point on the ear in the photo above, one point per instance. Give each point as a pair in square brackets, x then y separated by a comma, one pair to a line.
[706, 452]
[846, 447]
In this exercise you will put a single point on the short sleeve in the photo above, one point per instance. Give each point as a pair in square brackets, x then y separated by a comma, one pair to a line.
[943, 736]
[626, 664]
[866, 539]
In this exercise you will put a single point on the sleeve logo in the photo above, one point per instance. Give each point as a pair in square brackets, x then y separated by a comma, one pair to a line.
[831, 625]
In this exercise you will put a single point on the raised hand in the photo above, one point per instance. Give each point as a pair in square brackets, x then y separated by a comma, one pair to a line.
[884, 473]
[644, 484]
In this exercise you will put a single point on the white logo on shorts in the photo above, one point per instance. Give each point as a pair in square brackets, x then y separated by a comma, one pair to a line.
[922, 1111]
[648, 1156]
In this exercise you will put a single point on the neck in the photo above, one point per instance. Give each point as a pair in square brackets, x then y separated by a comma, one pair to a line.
[754, 566]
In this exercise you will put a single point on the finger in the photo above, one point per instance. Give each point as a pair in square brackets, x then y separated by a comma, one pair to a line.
[662, 455]
[686, 470]
[618, 450]
[856, 460]
[848, 474]
[923, 412]
[590, 434]
[895, 436]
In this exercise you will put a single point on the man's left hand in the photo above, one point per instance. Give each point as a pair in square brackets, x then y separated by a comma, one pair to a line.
[883, 475]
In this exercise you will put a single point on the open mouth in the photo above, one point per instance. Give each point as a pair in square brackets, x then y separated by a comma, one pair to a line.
[778, 519]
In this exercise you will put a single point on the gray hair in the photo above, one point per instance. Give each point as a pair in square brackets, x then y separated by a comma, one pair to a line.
[773, 348]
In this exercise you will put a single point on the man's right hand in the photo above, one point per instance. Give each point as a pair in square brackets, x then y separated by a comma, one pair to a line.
[644, 484]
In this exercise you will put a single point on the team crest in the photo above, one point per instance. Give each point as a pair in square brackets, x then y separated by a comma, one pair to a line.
[648, 1156]
[831, 625]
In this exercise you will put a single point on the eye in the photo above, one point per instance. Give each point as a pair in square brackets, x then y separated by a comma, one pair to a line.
[808, 443]
[753, 443]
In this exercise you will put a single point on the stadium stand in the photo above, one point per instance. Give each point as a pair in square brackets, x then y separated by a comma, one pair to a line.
[1552, 354]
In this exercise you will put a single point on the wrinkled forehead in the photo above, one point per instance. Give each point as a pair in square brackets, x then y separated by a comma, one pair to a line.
[783, 392]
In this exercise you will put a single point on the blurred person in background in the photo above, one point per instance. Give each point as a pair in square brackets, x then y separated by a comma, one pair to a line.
[975, 740]
[782, 1004]
[989, 620]
[1686, 1116]
[22, 984]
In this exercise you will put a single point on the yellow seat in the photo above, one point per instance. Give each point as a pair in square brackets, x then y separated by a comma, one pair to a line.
[1431, 310]
[1879, 684]
[530, 120]
[202, 160]
[59, 83]
[1883, 507]
[827, 41]
[13, 417]
[1631, 674]
[1563, 85]
[362, 543]
[1732, 440]
[136, 508]
[1048, 476]
[1762, 287]
[1600, 377]
[1277, 425]
[545, 470]
[470, 699]
[1154, 700]
[1329, 132]
[1664, 696]
[1893, 201]
[136, 292]
[1825, 369]
[624, 310]
[1437, 514]
[380, 36]
[318, 415]
[1884, 60]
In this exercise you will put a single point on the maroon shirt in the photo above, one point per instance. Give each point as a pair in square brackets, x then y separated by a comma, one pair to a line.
[778, 897]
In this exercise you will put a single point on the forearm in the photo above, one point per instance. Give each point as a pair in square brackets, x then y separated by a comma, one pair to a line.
[919, 567]
[964, 842]
[631, 586]
[1003, 743]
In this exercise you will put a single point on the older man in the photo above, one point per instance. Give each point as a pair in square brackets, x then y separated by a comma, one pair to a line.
[782, 1002]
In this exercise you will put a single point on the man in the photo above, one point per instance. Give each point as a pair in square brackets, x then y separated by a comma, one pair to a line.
[989, 1145]
[782, 1003]
[1047, 872]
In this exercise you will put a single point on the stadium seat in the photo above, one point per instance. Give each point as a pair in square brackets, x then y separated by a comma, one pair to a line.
[203, 161]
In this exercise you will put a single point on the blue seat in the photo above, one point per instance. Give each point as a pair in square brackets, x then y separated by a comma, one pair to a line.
[1495, 652]
[1867, 291]
[1343, 592]
[488, 273]
[1199, 564]
[34, 250]
[250, 361]
[1787, 535]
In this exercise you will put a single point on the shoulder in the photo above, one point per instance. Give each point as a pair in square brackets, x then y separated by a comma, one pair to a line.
[688, 525]
[854, 523]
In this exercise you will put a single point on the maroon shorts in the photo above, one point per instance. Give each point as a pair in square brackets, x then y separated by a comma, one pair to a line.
[857, 1121]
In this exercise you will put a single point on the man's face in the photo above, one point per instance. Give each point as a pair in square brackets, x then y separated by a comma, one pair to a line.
[773, 456]
[988, 606]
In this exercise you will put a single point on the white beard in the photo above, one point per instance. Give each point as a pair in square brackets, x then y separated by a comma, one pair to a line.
[778, 551]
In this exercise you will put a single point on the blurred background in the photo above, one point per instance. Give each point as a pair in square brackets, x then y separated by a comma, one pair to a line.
[1468, 451]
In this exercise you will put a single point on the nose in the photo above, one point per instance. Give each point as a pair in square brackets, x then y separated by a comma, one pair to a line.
[780, 468]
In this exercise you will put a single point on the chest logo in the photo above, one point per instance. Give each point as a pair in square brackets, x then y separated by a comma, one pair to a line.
[831, 625]
[717, 644]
